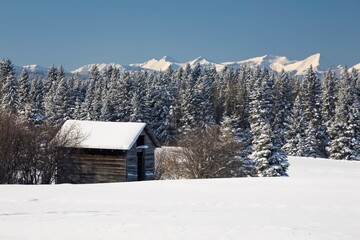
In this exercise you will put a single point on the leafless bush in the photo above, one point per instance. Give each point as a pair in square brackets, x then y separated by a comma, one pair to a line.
[202, 153]
[60, 150]
[11, 139]
[30, 154]
[168, 164]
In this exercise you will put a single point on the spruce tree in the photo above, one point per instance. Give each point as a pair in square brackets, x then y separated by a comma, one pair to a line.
[50, 91]
[89, 107]
[230, 128]
[315, 141]
[328, 96]
[203, 101]
[269, 159]
[61, 102]
[283, 103]
[24, 91]
[342, 129]
[37, 101]
[295, 133]
[9, 95]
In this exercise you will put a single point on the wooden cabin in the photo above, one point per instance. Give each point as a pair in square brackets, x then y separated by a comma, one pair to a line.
[108, 152]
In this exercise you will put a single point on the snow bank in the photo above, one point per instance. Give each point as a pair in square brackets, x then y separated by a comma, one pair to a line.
[320, 200]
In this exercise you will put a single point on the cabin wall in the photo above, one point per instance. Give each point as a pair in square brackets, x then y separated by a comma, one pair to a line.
[132, 159]
[93, 166]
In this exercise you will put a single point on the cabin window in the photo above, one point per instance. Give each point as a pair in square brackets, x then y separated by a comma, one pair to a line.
[140, 141]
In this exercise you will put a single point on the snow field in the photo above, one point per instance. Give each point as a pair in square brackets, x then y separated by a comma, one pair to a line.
[320, 200]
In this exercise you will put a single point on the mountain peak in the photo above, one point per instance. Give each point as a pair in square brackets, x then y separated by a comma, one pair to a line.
[167, 58]
[273, 62]
[35, 68]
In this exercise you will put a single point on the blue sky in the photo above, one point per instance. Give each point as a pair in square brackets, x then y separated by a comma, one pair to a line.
[78, 32]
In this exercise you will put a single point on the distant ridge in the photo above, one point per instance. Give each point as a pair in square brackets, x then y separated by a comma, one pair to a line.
[273, 62]
[276, 63]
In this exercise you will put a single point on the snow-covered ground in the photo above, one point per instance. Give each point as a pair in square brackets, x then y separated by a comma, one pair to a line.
[320, 200]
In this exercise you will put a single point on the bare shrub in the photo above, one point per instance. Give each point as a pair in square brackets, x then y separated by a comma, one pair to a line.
[202, 153]
[11, 141]
[30, 154]
[168, 164]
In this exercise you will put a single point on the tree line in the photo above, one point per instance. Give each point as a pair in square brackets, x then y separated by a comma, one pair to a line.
[270, 114]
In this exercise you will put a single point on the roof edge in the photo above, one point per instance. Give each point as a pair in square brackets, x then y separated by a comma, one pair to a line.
[152, 136]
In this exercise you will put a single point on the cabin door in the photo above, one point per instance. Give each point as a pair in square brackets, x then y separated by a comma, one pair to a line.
[140, 166]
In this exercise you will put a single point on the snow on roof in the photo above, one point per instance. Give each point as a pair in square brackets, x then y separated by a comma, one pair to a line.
[105, 135]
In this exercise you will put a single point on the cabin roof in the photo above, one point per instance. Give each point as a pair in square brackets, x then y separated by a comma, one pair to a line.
[107, 135]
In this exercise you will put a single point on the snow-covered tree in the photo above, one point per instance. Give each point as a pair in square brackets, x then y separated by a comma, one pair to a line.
[343, 130]
[269, 159]
[231, 130]
[37, 101]
[9, 95]
[88, 108]
[315, 137]
[203, 100]
[61, 102]
[138, 104]
[25, 108]
[283, 103]
[295, 133]
[328, 96]
[50, 91]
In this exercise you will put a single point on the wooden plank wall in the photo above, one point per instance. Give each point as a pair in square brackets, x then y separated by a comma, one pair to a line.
[93, 168]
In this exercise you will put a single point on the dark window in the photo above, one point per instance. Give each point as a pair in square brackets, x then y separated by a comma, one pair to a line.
[141, 140]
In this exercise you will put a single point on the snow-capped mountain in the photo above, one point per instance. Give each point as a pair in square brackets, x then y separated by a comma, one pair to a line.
[85, 70]
[275, 63]
[279, 63]
[158, 65]
[165, 62]
[34, 68]
[204, 63]
[357, 67]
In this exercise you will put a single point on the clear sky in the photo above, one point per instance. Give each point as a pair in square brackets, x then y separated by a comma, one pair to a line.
[78, 32]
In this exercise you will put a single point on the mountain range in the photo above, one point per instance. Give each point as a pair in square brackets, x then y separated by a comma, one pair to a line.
[275, 63]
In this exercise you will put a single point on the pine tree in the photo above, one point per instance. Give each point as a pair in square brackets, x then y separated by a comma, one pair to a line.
[283, 103]
[343, 130]
[123, 89]
[186, 121]
[242, 98]
[108, 110]
[269, 159]
[160, 100]
[72, 94]
[24, 87]
[50, 91]
[24, 91]
[315, 141]
[37, 101]
[203, 101]
[88, 107]
[229, 92]
[78, 97]
[138, 111]
[328, 96]
[355, 113]
[9, 95]
[109, 102]
[61, 102]
[230, 128]
[295, 134]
